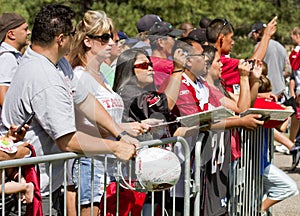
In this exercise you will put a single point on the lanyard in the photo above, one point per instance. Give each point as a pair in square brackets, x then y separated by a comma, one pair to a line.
[202, 93]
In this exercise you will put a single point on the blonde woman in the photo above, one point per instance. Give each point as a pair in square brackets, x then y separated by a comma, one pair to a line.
[91, 46]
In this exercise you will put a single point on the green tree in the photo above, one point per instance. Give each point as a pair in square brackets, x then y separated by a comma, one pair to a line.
[241, 13]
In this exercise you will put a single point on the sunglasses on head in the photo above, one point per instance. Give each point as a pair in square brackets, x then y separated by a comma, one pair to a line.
[104, 37]
[225, 23]
[70, 33]
[144, 65]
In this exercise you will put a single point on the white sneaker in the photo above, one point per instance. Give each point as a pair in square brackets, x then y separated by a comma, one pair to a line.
[282, 149]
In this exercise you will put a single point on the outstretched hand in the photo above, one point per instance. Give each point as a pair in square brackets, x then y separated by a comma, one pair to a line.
[251, 121]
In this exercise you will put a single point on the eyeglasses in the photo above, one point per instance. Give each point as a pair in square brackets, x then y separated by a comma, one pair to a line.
[71, 33]
[187, 54]
[104, 37]
[225, 23]
[195, 55]
[144, 65]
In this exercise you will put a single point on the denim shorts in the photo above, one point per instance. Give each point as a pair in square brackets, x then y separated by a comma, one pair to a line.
[85, 178]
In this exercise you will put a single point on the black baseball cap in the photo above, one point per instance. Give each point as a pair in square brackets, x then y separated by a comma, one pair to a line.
[146, 22]
[164, 29]
[255, 27]
[198, 34]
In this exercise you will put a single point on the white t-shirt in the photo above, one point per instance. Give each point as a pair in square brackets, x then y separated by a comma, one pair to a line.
[110, 100]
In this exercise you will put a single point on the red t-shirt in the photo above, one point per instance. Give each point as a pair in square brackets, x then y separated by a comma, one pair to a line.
[230, 73]
[187, 102]
[215, 96]
[295, 58]
[264, 103]
[162, 68]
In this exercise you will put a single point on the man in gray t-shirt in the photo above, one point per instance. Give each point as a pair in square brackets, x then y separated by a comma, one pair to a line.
[276, 59]
[42, 84]
[14, 36]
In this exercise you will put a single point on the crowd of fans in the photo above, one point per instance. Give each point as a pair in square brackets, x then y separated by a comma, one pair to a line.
[95, 91]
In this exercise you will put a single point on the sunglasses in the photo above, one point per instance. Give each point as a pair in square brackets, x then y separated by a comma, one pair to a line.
[71, 33]
[144, 65]
[104, 37]
[225, 23]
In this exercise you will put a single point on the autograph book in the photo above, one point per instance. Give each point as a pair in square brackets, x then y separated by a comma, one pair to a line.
[202, 118]
[277, 115]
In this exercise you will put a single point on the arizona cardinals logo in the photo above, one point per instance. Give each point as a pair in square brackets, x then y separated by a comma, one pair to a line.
[152, 100]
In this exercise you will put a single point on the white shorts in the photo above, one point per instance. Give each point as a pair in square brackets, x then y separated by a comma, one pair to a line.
[277, 184]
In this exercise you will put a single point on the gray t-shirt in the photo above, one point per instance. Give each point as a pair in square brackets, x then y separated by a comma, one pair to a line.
[9, 60]
[43, 87]
[275, 58]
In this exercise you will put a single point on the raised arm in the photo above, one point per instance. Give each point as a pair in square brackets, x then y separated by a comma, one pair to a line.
[269, 31]
[254, 80]
[173, 86]
[292, 86]
[243, 101]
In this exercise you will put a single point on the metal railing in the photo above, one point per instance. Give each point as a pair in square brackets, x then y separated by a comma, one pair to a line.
[246, 178]
[246, 188]
[70, 155]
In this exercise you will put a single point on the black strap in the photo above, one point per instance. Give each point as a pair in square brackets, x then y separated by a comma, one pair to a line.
[119, 137]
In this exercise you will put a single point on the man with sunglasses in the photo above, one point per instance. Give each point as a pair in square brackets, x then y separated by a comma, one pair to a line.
[220, 34]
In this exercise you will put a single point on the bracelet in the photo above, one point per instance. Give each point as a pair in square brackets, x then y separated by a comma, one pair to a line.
[119, 137]
[177, 71]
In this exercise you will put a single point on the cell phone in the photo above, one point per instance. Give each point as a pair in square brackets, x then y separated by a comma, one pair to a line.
[26, 121]
[251, 62]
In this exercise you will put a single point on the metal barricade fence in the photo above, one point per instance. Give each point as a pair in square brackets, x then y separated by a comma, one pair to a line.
[246, 177]
[70, 155]
[246, 186]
